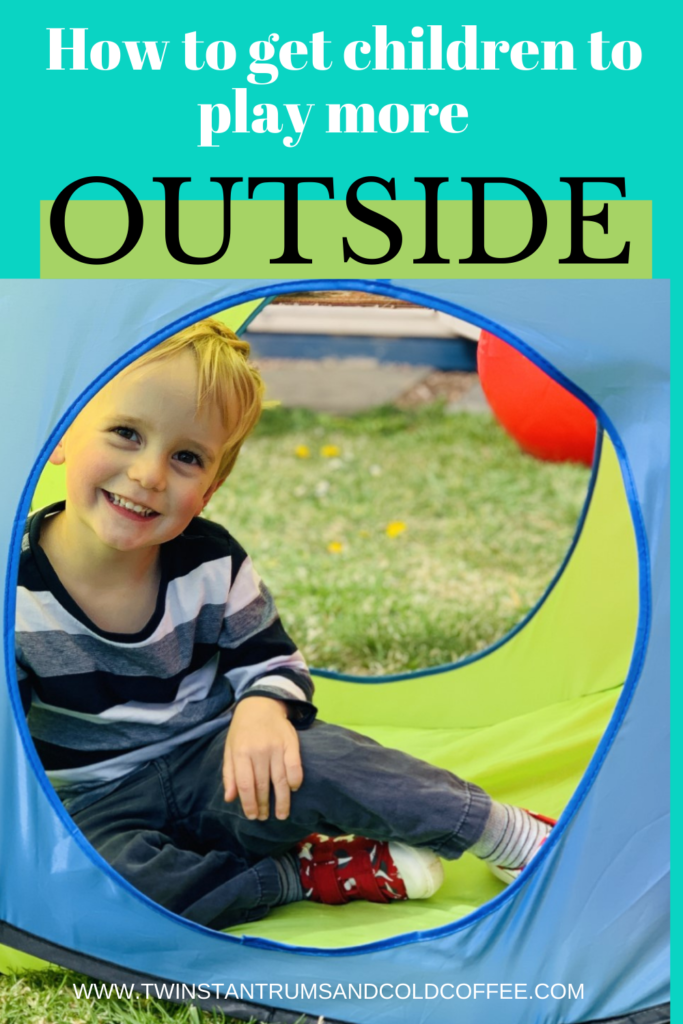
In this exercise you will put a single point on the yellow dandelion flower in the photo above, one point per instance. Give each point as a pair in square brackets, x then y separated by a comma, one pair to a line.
[335, 548]
[302, 451]
[395, 527]
[330, 451]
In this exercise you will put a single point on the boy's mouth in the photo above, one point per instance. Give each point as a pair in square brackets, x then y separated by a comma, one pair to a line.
[140, 511]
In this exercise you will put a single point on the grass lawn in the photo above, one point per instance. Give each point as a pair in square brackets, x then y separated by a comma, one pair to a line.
[398, 539]
[391, 541]
[48, 998]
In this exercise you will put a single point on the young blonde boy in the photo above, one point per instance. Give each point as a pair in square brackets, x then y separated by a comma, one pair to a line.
[172, 712]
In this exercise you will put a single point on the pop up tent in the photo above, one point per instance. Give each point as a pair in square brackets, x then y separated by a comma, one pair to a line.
[568, 713]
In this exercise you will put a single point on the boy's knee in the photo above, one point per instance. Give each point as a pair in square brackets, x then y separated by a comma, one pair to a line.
[323, 745]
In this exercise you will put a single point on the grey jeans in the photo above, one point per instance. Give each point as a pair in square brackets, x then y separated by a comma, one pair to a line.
[168, 830]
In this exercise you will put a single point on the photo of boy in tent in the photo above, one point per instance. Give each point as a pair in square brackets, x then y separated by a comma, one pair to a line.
[177, 755]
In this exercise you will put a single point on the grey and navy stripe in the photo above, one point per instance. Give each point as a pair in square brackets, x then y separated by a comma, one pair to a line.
[100, 704]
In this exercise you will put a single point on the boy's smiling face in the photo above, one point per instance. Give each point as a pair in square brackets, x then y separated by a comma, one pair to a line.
[141, 458]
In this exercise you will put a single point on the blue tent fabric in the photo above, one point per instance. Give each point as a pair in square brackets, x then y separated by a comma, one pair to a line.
[593, 910]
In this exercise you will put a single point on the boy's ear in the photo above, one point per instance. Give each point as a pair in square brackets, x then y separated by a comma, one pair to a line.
[58, 458]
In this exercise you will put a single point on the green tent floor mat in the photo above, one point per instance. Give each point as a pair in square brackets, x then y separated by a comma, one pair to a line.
[535, 761]
[14, 962]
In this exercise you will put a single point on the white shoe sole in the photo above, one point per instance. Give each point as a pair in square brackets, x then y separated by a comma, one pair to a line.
[420, 869]
[509, 875]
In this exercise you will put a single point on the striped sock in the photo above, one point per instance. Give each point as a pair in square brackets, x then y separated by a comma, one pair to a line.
[511, 836]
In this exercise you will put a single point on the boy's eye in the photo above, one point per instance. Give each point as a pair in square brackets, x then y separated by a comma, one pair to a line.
[189, 458]
[127, 433]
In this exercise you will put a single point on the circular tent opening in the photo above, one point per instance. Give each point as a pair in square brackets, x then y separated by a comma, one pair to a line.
[522, 719]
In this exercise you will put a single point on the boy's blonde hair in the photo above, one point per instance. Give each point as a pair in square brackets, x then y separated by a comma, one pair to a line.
[225, 377]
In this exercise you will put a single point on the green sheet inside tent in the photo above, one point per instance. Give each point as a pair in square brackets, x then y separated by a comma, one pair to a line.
[523, 720]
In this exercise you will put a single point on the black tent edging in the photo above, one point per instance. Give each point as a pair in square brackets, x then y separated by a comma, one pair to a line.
[660, 1014]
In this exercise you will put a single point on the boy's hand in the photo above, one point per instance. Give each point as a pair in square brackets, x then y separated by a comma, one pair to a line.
[261, 748]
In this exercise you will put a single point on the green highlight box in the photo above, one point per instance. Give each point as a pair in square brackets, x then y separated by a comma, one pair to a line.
[97, 228]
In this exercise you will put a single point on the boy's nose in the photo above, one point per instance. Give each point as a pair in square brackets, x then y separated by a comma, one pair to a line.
[149, 471]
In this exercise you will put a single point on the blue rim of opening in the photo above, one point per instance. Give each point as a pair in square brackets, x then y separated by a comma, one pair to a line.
[267, 292]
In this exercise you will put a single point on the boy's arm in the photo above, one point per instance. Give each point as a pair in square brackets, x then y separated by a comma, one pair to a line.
[273, 690]
[262, 750]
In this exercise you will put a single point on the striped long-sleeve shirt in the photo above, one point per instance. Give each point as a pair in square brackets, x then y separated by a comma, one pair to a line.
[101, 704]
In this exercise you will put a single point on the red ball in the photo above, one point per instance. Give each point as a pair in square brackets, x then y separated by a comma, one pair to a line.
[544, 418]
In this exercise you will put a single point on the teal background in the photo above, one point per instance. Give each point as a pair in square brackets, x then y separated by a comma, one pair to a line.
[132, 126]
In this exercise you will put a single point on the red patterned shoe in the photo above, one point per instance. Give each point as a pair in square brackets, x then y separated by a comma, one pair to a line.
[354, 868]
[508, 875]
